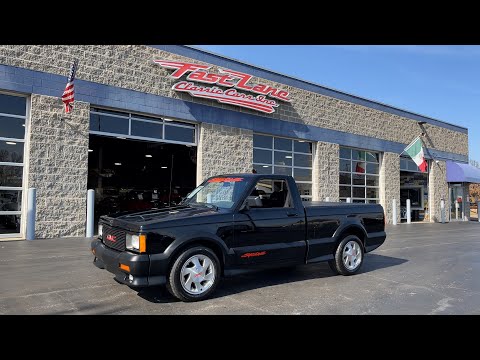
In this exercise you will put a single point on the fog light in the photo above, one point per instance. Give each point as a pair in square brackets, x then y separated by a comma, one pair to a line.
[130, 277]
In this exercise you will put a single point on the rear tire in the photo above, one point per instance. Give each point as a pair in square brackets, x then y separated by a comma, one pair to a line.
[348, 256]
[194, 275]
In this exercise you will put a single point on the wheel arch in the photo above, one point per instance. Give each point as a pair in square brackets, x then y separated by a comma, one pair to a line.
[214, 245]
[353, 229]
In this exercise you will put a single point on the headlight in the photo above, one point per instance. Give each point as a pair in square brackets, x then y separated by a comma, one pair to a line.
[136, 242]
[100, 230]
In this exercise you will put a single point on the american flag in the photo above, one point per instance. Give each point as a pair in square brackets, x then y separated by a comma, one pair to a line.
[69, 94]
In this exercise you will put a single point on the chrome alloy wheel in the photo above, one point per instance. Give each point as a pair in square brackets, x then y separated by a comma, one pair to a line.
[197, 274]
[352, 255]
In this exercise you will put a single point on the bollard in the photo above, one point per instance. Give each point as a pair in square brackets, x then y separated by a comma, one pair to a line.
[327, 199]
[31, 210]
[442, 211]
[409, 212]
[456, 210]
[90, 210]
[349, 200]
[394, 211]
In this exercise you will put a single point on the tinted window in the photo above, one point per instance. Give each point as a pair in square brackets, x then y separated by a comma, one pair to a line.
[263, 169]
[10, 200]
[108, 124]
[11, 151]
[262, 156]
[302, 174]
[345, 153]
[302, 146]
[147, 129]
[283, 144]
[269, 194]
[262, 141]
[345, 178]
[345, 165]
[303, 160]
[12, 127]
[277, 170]
[176, 133]
[10, 224]
[11, 175]
[14, 105]
[283, 158]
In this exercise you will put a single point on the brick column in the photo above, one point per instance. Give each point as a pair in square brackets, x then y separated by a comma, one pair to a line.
[390, 184]
[438, 189]
[326, 167]
[223, 149]
[58, 166]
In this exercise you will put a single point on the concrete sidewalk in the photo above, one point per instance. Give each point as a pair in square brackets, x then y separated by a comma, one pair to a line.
[421, 269]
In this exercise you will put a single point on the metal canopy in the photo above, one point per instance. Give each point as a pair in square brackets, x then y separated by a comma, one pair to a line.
[465, 173]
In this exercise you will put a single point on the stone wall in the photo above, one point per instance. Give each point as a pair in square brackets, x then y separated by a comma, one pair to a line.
[132, 67]
[390, 185]
[325, 170]
[223, 150]
[58, 165]
[438, 190]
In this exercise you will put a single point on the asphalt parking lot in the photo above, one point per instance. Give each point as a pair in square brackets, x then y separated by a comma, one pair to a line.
[421, 269]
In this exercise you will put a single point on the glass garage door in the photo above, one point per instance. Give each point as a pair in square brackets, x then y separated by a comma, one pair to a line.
[12, 140]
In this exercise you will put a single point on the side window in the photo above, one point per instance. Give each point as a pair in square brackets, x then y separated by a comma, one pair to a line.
[269, 193]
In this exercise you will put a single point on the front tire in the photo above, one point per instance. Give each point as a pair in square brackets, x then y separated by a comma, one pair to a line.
[194, 275]
[348, 256]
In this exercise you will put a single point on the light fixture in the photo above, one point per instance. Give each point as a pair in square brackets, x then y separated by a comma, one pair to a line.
[121, 138]
[90, 150]
[301, 141]
[23, 125]
[164, 167]
[265, 165]
[118, 164]
[149, 156]
[288, 157]
[167, 120]
[11, 143]
[421, 123]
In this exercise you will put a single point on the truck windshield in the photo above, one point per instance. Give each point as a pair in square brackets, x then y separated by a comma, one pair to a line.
[221, 192]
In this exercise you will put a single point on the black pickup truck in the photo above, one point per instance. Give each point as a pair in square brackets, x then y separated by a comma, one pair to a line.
[232, 224]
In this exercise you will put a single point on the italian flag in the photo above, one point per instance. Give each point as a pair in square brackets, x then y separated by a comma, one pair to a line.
[360, 168]
[415, 150]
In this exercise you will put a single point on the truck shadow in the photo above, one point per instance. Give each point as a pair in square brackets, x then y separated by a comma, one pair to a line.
[272, 277]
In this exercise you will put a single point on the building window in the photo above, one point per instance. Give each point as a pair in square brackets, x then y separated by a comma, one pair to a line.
[12, 143]
[407, 164]
[280, 156]
[359, 175]
[133, 126]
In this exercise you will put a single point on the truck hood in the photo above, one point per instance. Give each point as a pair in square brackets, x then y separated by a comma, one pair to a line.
[156, 216]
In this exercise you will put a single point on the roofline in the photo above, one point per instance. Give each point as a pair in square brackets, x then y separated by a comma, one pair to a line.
[342, 94]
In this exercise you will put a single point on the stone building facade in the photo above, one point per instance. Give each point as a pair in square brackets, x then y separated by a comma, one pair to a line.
[125, 78]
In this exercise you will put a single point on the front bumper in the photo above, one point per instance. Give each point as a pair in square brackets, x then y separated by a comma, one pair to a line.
[139, 264]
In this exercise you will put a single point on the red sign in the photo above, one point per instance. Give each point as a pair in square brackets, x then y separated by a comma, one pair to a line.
[225, 180]
[227, 78]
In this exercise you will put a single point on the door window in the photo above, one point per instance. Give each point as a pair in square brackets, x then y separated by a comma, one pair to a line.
[270, 193]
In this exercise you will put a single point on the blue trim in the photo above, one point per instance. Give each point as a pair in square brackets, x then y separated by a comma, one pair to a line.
[30, 81]
[232, 64]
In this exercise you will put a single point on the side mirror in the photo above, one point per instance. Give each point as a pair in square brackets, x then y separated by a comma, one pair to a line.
[245, 206]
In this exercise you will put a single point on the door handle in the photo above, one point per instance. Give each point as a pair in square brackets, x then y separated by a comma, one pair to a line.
[292, 214]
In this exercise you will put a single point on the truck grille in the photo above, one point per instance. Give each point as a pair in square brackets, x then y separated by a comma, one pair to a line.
[114, 238]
